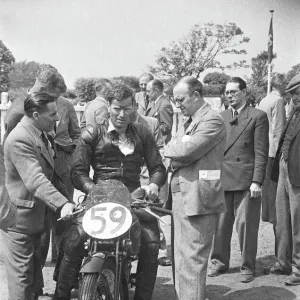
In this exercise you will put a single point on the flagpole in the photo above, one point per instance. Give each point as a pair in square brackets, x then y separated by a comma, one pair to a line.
[270, 61]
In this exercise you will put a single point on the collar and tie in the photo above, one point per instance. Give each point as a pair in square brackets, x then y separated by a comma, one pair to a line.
[187, 123]
[235, 117]
[45, 140]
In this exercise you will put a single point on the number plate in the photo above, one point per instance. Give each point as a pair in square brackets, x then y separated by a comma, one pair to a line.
[107, 220]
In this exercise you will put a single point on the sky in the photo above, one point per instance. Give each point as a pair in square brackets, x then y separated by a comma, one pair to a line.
[106, 38]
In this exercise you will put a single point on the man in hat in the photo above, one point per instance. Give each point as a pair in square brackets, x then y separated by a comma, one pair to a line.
[286, 170]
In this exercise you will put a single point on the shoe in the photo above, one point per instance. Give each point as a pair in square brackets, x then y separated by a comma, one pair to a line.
[214, 271]
[164, 261]
[293, 279]
[247, 278]
[277, 270]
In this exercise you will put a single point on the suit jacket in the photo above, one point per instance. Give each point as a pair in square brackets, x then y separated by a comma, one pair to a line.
[67, 127]
[247, 145]
[197, 155]
[140, 100]
[95, 112]
[162, 110]
[293, 157]
[29, 171]
[273, 106]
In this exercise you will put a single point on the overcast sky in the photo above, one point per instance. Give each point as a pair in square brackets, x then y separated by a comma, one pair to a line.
[105, 38]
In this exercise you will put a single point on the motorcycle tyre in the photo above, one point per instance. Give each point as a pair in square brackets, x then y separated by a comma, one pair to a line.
[91, 281]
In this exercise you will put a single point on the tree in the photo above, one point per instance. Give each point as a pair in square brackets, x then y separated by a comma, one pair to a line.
[293, 72]
[214, 83]
[6, 61]
[131, 81]
[199, 50]
[85, 89]
[259, 66]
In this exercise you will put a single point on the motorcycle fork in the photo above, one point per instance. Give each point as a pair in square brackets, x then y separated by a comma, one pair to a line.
[119, 264]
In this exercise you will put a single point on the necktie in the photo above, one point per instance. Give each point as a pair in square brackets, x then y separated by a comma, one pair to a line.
[146, 100]
[187, 123]
[44, 139]
[234, 119]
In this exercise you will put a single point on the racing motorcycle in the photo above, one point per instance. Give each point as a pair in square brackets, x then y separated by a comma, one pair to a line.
[113, 230]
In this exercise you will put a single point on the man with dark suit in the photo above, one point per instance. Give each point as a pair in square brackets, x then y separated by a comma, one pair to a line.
[286, 170]
[29, 173]
[96, 111]
[160, 108]
[141, 97]
[244, 168]
[197, 196]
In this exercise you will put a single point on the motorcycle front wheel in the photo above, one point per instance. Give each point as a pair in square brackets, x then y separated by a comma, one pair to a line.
[100, 286]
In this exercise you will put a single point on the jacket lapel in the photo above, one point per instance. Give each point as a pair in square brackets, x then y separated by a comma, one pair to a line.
[38, 141]
[155, 107]
[237, 129]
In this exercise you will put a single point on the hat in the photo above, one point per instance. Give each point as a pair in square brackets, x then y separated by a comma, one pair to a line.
[293, 84]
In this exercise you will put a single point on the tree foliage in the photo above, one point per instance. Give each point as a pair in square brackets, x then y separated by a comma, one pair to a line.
[199, 50]
[6, 61]
[259, 66]
[293, 72]
[214, 83]
[85, 89]
[131, 81]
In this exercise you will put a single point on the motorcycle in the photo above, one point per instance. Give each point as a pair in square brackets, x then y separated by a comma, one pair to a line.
[113, 230]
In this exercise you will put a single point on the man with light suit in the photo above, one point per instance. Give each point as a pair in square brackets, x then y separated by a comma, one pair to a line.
[197, 197]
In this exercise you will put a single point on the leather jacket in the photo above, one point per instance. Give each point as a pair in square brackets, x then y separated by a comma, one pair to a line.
[99, 149]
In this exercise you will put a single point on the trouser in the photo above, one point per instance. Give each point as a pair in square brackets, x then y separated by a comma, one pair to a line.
[72, 252]
[268, 191]
[21, 253]
[192, 239]
[287, 225]
[246, 211]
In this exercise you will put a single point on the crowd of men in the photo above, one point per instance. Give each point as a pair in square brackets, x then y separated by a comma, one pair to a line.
[223, 168]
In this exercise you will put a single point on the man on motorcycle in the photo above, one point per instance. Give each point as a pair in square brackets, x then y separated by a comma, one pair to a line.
[115, 149]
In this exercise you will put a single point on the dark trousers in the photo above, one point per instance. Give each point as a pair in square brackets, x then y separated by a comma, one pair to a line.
[287, 225]
[21, 253]
[73, 250]
[246, 211]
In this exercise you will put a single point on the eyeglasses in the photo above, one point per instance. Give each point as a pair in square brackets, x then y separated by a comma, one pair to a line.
[181, 100]
[232, 92]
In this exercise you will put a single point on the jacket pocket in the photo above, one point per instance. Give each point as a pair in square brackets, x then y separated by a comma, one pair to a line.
[23, 203]
[208, 190]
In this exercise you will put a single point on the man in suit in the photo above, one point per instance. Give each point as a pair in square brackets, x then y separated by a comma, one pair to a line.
[160, 108]
[196, 155]
[29, 173]
[96, 111]
[286, 170]
[66, 134]
[244, 168]
[273, 105]
[141, 97]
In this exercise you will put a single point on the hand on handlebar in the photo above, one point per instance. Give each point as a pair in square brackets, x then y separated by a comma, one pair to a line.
[151, 191]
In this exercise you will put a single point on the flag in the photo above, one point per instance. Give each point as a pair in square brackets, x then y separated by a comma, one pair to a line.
[270, 42]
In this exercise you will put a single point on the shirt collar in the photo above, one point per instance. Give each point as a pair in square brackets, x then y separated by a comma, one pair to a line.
[111, 127]
[238, 110]
[157, 99]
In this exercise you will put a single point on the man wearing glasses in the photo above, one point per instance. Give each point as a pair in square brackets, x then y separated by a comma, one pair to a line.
[286, 171]
[197, 196]
[141, 98]
[244, 167]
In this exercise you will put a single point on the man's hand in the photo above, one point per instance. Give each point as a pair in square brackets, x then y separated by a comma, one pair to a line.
[255, 190]
[151, 191]
[67, 210]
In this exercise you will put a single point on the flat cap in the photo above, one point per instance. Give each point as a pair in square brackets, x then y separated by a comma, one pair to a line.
[293, 84]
